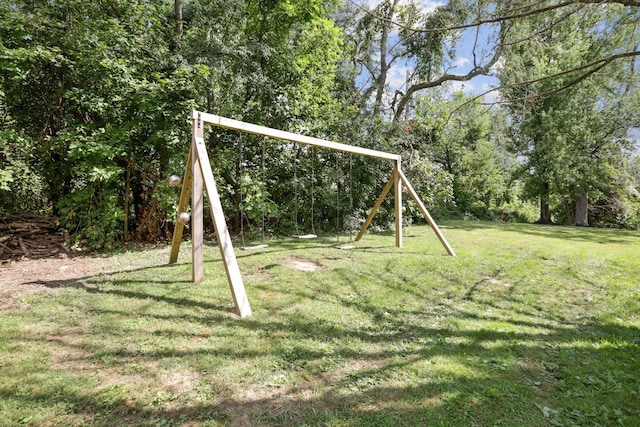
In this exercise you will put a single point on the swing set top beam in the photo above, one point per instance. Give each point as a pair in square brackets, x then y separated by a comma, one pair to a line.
[227, 123]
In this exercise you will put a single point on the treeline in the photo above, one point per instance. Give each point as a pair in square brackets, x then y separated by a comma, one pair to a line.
[95, 102]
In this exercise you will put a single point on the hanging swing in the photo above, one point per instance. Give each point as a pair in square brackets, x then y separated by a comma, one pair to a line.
[349, 245]
[313, 234]
[262, 245]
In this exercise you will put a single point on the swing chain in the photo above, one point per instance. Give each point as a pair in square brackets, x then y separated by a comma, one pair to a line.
[338, 178]
[295, 189]
[350, 219]
[263, 191]
[240, 179]
[313, 183]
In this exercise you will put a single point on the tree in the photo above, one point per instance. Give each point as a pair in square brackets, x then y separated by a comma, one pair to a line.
[469, 146]
[377, 47]
[398, 34]
[100, 107]
[272, 63]
[489, 23]
[107, 114]
[569, 134]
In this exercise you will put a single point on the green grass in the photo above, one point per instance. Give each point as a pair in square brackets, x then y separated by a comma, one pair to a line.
[528, 326]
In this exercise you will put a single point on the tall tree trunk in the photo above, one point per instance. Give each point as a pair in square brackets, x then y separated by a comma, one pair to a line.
[177, 11]
[384, 68]
[545, 210]
[582, 207]
[569, 209]
[385, 65]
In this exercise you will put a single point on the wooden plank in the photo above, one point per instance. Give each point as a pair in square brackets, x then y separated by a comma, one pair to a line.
[346, 247]
[289, 136]
[397, 185]
[183, 204]
[251, 248]
[307, 236]
[376, 206]
[26, 251]
[224, 239]
[426, 214]
[197, 210]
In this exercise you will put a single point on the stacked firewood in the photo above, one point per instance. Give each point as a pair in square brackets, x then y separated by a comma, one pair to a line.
[30, 236]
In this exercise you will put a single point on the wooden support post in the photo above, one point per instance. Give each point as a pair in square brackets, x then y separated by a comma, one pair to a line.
[376, 206]
[227, 123]
[426, 214]
[183, 204]
[197, 206]
[397, 188]
[199, 176]
[224, 239]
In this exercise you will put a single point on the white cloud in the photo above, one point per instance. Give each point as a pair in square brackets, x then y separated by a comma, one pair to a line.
[427, 5]
[460, 62]
[498, 66]
[430, 5]
[397, 78]
[454, 86]
[491, 97]
[370, 4]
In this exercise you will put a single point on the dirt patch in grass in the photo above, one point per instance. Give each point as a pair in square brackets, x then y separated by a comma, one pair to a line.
[19, 279]
[70, 353]
[290, 396]
[179, 382]
[301, 264]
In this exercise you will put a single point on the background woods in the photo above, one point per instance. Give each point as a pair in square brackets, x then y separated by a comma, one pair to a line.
[95, 100]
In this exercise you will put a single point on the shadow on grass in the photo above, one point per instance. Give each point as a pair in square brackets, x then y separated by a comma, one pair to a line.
[561, 232]
[513, 362]
[348, 386]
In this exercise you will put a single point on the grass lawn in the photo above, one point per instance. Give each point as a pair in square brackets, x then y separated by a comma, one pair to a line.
[528, 326]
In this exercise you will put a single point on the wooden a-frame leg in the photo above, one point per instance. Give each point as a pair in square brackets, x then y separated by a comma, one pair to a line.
[183, 204]
[395, 182]
[426, 214]
[376, 206]
[197, 209]
[397, 188]
[229, 260]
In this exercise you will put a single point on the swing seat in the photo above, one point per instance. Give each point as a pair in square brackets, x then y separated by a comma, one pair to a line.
[306, 236]
[250, 248]
[345, 247]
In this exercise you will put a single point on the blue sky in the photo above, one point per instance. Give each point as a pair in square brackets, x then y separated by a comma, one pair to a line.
[461, 64]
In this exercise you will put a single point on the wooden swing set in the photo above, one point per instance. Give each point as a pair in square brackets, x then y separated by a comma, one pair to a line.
[198, 179]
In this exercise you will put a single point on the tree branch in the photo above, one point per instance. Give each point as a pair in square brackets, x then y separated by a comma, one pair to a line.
[543, 30]
[599, 64]
[497, 19]
[476, 71]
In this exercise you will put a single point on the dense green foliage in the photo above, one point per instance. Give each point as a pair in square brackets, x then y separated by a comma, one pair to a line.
[574, 141]
[95, 100]
[101, 104]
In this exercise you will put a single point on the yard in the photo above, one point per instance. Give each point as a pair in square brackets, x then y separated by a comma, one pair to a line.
[529, 325]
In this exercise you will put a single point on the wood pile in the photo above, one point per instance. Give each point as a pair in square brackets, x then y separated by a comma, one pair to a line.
[30, 236]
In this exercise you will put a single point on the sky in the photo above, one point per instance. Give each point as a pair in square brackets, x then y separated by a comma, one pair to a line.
[461, 64]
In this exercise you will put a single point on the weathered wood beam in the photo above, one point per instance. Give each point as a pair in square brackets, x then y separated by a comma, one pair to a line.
[289, 136]
[426, 214]
[183, 204]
